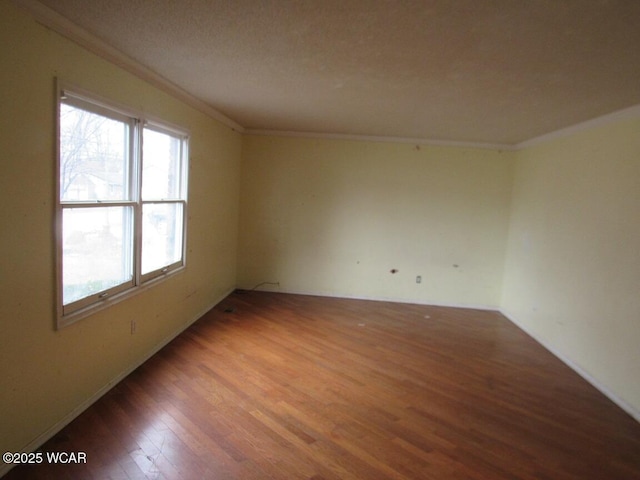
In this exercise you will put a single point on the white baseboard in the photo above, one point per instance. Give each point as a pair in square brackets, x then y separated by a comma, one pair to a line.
[412, 301]
[578, 369]
[67, 419]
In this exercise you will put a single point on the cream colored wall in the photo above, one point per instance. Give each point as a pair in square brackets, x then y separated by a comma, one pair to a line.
[572, 276]
[46, 374]
[333, 217]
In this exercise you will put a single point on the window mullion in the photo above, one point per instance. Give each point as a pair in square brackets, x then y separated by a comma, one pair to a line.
[136, 190]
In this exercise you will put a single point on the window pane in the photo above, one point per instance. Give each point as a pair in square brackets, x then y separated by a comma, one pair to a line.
[93, 156]
[161, 235]
[161, 165]
[97, 247]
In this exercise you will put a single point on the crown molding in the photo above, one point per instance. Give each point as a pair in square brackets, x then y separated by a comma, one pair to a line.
[61, 25]
[377, 138]
[617, 116]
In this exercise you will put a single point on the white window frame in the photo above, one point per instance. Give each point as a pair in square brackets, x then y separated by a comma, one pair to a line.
[74, 311]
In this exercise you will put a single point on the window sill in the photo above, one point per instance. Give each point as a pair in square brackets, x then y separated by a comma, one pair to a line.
[63, 321]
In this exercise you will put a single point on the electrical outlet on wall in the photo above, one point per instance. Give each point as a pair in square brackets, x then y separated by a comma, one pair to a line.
[419, 279]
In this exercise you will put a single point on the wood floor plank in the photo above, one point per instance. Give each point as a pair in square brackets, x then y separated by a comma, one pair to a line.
[275, 386]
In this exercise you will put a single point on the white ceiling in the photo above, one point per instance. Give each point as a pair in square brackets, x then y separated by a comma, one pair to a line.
[482, 71]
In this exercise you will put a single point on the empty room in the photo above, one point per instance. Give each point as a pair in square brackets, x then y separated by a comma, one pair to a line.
[320, 239]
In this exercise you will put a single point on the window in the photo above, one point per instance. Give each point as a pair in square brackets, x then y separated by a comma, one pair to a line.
[122, 200]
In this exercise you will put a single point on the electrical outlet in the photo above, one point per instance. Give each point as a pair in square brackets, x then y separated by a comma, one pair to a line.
[133, 327]
[419, 279]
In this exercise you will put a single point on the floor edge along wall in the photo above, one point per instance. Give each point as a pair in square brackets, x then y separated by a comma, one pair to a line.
[635, 414]
[76, 412]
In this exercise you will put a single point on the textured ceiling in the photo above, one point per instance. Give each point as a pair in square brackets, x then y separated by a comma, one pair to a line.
[489, 71]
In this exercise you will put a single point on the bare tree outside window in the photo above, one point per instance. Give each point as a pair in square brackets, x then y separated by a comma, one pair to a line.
[93, 156]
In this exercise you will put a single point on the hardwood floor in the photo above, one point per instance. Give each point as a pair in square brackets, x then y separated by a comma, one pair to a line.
[290, 387]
